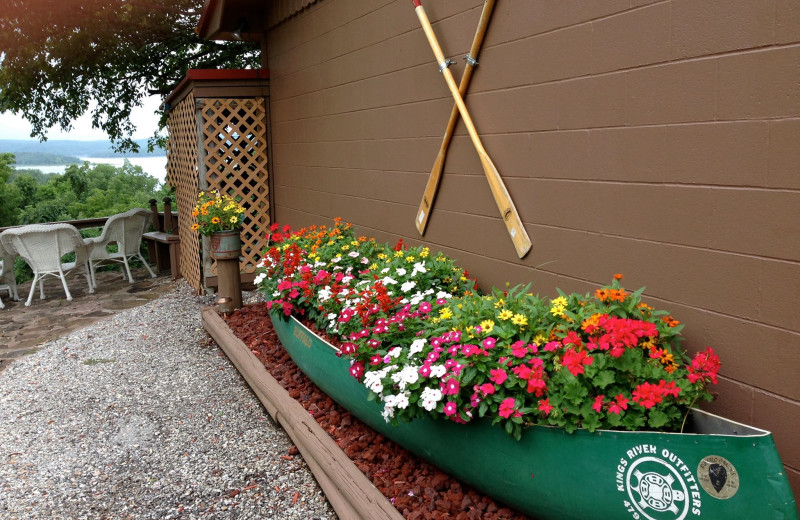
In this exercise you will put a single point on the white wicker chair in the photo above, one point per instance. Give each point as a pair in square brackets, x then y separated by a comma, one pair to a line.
[42, 246]
[7, 280]
[124, 229]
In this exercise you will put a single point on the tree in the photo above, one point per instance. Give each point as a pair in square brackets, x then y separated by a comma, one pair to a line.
[10, 196]
[62, 58]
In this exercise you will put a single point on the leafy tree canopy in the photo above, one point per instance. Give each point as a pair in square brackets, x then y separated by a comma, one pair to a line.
[62, 58]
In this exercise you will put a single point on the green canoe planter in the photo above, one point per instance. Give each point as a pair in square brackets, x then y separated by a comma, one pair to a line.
[723, 470]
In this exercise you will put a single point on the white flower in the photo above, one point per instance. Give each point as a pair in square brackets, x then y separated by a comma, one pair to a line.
[401, 272]
[417, 298]
[429, 291]
[416, 346]
[365, 260]
[442, 294]
[353, 254]
[324, 294]
[438, 370]
[384, 270]
[390, 401]
[429, 398]
[395, 352]
[388, 281]
[402, 401]
[388, 413]
[258, 279]
[408, 286]
[419, 267]
[336, 259]
[347, 278]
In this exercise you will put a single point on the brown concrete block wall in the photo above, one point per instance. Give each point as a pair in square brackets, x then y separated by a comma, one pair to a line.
[654, 138]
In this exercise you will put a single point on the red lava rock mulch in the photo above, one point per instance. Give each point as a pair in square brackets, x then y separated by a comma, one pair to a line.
[416, 488]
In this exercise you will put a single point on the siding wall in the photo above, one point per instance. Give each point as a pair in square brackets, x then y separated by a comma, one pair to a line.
[655, 139]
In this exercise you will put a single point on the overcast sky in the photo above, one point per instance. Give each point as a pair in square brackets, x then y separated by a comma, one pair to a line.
[145, 119]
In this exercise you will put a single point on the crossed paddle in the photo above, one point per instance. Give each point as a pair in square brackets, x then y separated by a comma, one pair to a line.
[504, 203]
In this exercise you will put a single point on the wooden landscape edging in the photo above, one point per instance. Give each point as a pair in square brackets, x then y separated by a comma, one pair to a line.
[348, 490]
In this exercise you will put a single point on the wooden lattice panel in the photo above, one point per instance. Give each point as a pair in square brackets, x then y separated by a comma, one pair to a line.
[182, 174]
[235, 144]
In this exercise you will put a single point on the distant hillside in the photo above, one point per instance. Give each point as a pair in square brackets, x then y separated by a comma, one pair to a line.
[40, 159]
[71, 148]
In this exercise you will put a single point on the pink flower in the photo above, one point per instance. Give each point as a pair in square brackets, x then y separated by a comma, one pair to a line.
[507, 407]
[545, 407]
[451, 386]
[425, 370]
[375, 360]
[489, 343]
[552, 346]
[450, 408]
[348, 348]
[498, 376]
[424, 307]
[598, 403]
[572, 338]
[705, 367]
[486, 389]
[357, 369]
[519, 349]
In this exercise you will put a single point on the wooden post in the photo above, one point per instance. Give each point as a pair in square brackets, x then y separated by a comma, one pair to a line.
[156, 221]
[167, 215]
[230, 285]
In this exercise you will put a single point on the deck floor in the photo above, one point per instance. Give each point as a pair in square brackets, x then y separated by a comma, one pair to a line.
[22, 328]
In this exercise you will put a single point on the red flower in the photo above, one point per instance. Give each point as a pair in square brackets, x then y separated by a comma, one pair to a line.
[620, 403]
[598, 403]
[575, 361]
[705, 367]
[544, 406]
[647, 395]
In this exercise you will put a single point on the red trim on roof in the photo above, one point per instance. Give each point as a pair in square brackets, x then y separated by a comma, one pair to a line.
[214, 74]
[208, 7]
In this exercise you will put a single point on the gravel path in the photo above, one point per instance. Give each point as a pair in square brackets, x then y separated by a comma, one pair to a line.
[141, 416]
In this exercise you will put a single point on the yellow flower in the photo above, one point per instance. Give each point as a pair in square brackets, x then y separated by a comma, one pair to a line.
[398, 253]
[425, 252]
[499, 303]
[540, 339]
[463, 278]
[234, 219]
[195, 227]
[382, 256]
[445, 313]
[373, 267]
[519, 319]
[487, 326]
[345, 247]
[505, 314]
[409, 258]
[560, 301]
[354, 243]
[215, 220]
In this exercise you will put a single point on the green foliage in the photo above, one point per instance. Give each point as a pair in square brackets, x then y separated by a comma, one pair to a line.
[9, 193]
[63, 58]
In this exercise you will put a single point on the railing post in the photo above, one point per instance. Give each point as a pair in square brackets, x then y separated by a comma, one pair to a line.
[154, 210]
[168, 215]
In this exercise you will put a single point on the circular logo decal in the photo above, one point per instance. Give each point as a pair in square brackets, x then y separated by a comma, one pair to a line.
[657, 485]
[718, 477]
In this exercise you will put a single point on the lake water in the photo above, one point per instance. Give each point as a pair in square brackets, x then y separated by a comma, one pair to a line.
[155, 166]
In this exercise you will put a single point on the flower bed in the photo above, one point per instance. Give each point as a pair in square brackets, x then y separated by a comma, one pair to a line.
[416, 488]
[425, 342]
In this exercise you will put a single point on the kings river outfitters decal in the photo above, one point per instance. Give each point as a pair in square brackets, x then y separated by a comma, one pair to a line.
[657, 484]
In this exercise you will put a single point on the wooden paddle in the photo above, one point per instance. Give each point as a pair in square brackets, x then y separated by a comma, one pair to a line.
[428, 197]
[504, 203]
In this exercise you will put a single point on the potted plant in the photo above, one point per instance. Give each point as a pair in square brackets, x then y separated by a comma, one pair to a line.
[219, 217]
